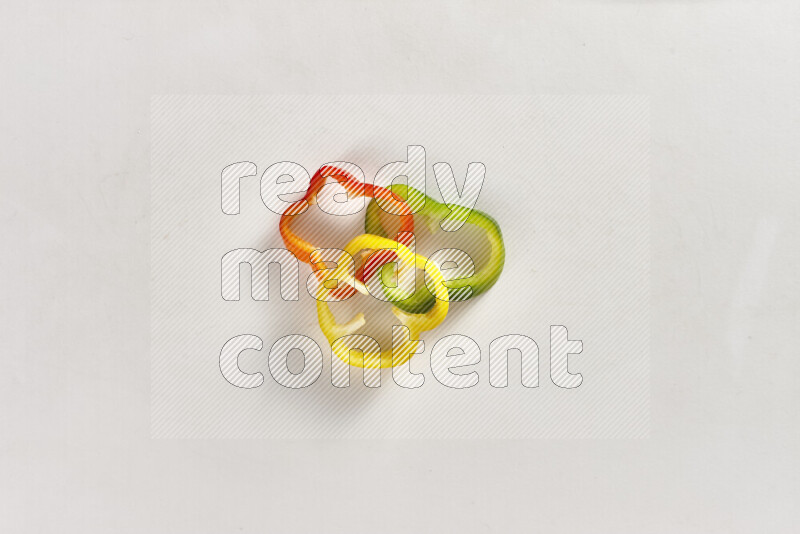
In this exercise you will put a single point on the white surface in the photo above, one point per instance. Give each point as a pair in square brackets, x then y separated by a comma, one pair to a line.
[75, 452]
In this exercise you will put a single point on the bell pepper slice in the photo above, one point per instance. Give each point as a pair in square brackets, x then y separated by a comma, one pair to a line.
[302, 249]
[433, 212]
[415, 322]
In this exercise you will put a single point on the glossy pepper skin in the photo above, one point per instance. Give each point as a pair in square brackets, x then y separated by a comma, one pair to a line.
[433, 212]
[415, 322]
[302, 249]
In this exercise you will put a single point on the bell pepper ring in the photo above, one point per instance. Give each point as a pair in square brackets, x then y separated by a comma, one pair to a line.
[416, 323]
[303, 250]
[433, 212]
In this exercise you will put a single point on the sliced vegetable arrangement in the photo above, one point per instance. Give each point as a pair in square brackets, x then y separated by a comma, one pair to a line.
[422, 308]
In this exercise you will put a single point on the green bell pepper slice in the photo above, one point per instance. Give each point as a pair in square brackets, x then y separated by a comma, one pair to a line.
[433, 212]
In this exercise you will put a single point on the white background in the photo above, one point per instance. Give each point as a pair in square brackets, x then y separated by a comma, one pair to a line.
[75, 451]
